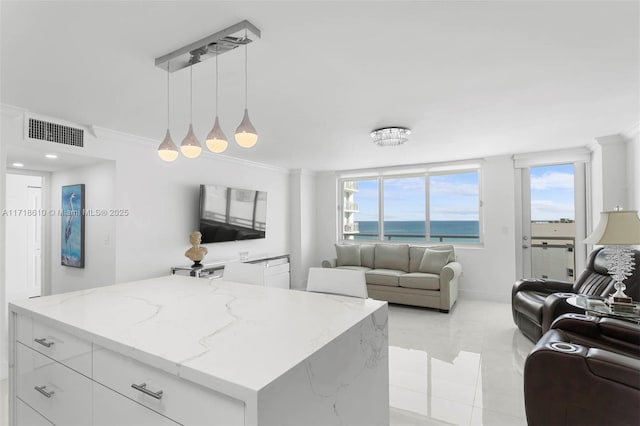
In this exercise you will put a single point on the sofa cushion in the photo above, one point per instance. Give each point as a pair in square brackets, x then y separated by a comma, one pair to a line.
[348, 255]
[433, 261]
[366, 255]
[445, 247]
[388, 277]
[355, 268]
[416, 253]
[391, 256]
[415, 257]
[420, 280]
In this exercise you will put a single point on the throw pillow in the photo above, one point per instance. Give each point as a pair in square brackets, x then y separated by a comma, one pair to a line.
[433, 261]
[348, 255]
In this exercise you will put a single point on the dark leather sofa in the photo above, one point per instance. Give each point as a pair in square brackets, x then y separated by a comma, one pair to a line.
[584, 371]
[536, 303]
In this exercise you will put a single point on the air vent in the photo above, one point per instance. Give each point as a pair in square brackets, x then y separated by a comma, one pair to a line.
[52, 132]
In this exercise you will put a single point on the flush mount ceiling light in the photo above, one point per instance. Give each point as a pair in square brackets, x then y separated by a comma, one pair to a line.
[192, 54]
[390, 136]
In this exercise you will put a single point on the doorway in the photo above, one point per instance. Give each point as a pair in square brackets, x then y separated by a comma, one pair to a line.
[24, 248]
[553, 220]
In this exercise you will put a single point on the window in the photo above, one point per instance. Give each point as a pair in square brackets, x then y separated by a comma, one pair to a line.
[425, 207]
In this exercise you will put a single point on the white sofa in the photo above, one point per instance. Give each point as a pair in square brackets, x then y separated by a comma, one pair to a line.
[424, 276]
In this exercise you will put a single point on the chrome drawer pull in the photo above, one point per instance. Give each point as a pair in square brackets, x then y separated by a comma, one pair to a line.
[143, 388]
[44, 342]
[42, 390]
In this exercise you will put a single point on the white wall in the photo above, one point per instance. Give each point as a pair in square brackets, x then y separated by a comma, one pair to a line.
[162, 199]
[615, 183]
[303, 226]
[633, 160]
[99, 268]
[488, 270]
[10, 130]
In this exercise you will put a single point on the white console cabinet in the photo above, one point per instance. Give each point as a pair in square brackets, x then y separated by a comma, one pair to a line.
[275, 272]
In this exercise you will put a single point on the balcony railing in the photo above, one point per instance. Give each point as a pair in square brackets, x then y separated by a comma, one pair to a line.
[350, 228]
[351, 186]
[351, 207]
[439, 237]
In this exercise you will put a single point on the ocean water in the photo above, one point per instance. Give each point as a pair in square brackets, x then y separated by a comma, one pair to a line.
[441, 231]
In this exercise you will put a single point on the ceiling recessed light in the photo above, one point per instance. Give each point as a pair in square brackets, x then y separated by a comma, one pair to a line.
[17, 165]
[51, 156]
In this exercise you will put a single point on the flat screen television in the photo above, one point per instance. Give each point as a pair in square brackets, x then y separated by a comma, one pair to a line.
[230, 214]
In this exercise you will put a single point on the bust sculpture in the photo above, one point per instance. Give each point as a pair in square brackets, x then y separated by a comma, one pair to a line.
[196, 252]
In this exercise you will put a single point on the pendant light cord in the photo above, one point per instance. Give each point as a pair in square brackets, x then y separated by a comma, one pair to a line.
[246, 72]
[168, 96]
[216, 79]
[191, 94]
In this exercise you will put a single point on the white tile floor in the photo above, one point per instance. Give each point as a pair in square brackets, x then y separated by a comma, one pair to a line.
[464, 368]
[461, 368]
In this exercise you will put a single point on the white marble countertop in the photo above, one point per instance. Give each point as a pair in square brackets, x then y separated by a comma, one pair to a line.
[231, 337]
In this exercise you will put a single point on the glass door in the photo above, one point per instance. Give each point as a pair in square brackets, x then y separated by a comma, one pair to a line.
[553, 217]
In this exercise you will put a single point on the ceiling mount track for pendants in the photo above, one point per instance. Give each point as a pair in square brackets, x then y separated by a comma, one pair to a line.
[208, 47]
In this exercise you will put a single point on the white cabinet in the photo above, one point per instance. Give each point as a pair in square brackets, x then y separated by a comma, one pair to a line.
[58, 393]
[61, 379]
[164, 393]
[275, 270]
[26, 415]
[111, 408]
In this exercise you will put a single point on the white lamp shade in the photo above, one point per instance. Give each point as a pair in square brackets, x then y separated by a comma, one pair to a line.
[168, 151]
[616, 228]
[246, 134]
[216, 139]
[190, 146]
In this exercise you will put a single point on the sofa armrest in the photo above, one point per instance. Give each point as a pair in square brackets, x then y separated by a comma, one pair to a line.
[542, 285]
[614, 367]
[330, 263]
[449, 277]
[555, 305]
[605, 333]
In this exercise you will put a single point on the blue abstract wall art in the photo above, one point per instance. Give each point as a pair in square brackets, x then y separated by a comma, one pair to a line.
[72, 238]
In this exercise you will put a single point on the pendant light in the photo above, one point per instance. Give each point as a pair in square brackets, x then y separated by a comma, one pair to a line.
[246, 135]
[190, 145]
[168, 151]
[216, 139]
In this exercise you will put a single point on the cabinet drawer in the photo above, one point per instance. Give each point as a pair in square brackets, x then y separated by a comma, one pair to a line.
[182, 401]
[27, 416]
[58, 393]
[111, 408]
[63, 347]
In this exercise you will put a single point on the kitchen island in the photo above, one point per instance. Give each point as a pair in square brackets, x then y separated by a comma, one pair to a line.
[175, 350]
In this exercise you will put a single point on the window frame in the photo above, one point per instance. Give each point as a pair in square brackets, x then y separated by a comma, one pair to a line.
[410, 172]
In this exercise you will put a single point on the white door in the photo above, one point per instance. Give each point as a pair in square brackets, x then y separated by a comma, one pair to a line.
[34, 243]
[553, 210]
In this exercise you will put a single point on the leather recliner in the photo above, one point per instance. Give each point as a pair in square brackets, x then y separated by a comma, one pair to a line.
[536, 302]
[584, 371]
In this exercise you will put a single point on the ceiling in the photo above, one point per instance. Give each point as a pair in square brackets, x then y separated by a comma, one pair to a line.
[471, 79]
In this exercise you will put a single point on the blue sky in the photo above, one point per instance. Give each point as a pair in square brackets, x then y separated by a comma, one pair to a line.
[452, 197]
[552, 192]
[455, 196]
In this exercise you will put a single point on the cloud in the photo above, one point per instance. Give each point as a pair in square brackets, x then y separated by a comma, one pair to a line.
[550, 210]
[439, 187]
[553, 180]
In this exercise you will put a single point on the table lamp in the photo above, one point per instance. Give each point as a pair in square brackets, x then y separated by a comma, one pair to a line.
[618, 230]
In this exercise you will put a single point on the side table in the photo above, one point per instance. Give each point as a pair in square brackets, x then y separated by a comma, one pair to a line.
[597, 306]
